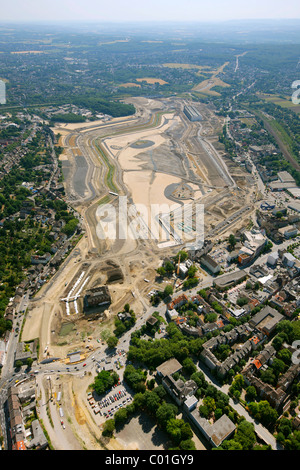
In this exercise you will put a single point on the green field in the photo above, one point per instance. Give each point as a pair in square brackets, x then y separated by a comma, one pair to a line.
[284, 102]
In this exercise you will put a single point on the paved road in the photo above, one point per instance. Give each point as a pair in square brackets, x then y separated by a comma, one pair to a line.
[60, 437]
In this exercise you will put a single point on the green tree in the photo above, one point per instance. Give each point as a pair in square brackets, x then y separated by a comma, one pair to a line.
[166, 412]
[264, 413]
[161, 271]
[245, 435]
[183, 256]
[168, 290]
[174, 430]
[121, 416]
[152, 401]
[104, 381]
[169, 267]
[251, 393]
[29, 362]
[187, 445]
[112, 342]
[232, 241]
[108, 428]
[189, 366]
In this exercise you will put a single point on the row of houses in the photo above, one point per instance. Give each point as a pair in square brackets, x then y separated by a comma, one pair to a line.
[12, 159]
[21, 404]
[277, 396]
[183, 393]
[248, 337]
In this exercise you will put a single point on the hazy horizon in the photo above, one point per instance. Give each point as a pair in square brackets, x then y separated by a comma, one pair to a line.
[116, 11]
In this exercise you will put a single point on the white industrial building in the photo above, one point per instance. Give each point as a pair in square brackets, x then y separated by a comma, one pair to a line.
[192, 113]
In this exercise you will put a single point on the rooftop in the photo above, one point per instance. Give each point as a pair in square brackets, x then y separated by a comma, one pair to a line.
[169, 367]
[217, 432]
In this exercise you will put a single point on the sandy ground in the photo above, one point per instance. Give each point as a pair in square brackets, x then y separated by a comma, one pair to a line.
[127, 157]
[85, 125]
[136, 179]
[47, 301]
[147, 192]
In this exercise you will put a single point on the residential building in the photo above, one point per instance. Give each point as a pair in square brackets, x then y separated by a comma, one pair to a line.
[211, 264]
[215, 433]
[24, 353]
[278, 397]
[273, 258]
[285, 177]
[222, 282]
[39, 440]
[266, 320]
[179, 390]
[44, 259]
[288, 232]
[172, 314]
[288, 260]
[169, 368]
[178, 302]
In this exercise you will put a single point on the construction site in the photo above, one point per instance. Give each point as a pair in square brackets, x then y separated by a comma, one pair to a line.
[156, 158]
[160, 159]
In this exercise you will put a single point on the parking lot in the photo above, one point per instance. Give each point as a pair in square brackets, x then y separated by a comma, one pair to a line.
[113, 402]
[107, 406]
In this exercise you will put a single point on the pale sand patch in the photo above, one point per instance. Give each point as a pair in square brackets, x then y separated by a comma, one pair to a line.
[145, 191]
[35, 318]
[126, 157]
[152, 81]
[188, 66]
[59, 130]
[90, 124]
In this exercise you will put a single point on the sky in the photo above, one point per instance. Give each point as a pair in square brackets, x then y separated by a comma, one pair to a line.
[143, 10]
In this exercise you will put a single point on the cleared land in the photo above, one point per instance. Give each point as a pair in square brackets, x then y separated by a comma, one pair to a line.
[130, 85]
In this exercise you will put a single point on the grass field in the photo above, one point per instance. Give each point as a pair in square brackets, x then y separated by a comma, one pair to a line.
[284, 136]
[205, 68]
[110, 170]
[284, 102]
[248, 121]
